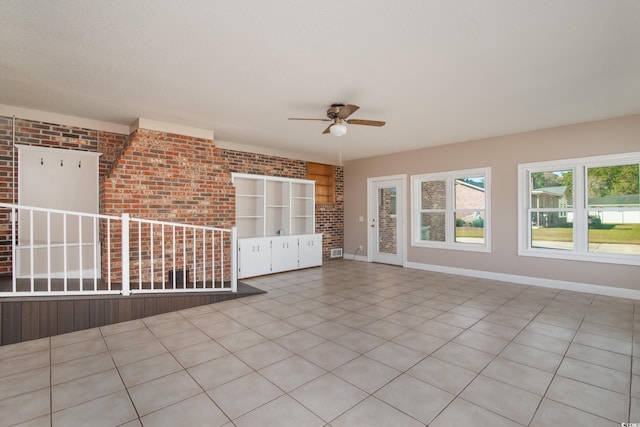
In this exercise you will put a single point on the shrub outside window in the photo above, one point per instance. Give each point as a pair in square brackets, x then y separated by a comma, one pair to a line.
[450, 210]
[582, 209]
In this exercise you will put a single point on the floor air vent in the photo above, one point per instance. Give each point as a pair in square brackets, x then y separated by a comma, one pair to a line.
[336, 253]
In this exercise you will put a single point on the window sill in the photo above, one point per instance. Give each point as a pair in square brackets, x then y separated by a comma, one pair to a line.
[452, 246]
[633, 260]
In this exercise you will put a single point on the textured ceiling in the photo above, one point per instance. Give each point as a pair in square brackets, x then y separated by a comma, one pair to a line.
[437, 71]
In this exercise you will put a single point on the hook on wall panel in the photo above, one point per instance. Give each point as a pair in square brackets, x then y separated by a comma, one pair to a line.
[80, 164]
[41, 161]
[61, 163]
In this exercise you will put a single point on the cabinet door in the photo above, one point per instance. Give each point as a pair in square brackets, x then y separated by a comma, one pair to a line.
[310, 250]
[284, 253]
[254, 257]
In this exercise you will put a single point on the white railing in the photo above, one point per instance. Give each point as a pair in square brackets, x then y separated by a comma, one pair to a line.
[181, 258]
[55, 252]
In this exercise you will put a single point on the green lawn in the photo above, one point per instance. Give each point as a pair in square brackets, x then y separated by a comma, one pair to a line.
[469, 231]
[609, 233]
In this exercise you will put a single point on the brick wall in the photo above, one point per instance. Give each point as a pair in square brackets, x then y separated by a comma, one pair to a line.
[41, 134]
[161, 176]
[173, 178]
[261, 164]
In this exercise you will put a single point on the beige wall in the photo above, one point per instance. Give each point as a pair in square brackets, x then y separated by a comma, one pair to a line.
[502, 154]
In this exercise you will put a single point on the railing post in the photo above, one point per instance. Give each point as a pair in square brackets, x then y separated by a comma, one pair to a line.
[234, 260]
[126, 285]
[14, 252]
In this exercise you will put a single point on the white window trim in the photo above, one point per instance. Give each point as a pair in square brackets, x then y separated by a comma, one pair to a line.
[449, 177]
[580, 209]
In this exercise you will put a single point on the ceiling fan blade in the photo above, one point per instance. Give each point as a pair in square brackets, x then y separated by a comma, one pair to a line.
[365, 122]
[327, 130]
[298, 118]
[347, 110]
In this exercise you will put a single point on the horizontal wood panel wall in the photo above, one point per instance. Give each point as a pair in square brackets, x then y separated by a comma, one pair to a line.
[324, 176]
[30, 319]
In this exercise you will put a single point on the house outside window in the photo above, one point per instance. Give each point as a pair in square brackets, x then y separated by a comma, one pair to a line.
[451, 210]
[584, 209]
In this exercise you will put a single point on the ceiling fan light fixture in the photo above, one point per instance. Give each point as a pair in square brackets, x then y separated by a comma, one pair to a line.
[338, 129]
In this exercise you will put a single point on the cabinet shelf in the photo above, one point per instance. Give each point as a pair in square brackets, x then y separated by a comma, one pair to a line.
[274, 206]
[275, 219]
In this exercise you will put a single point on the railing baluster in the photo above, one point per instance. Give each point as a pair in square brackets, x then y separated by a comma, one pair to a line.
[64, 249]
[109, 253]
[95, 253]
[204, 259]
[80, 266]
[48, 251]
[139, 255]
[126, 281]
[195, 244]
[31, 251]
[14, 243]
[234, 259]
[221, 259]
[184, 257]
[213, 259]
[173, 256]
[163, 257]
[151, 249]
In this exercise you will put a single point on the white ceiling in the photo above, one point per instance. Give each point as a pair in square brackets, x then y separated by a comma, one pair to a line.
[437, 71]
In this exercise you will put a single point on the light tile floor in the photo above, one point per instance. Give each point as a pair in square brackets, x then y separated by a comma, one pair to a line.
[347, 344]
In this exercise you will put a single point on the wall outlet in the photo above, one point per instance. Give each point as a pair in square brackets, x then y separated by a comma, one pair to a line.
[360, 247]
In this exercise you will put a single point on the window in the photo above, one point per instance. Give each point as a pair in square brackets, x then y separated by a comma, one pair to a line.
[583, 209]
[450, 210]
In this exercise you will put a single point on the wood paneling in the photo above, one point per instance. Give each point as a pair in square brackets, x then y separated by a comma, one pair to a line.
[96, 314]
[33, 318]
[11, 322]
[30, 321]
[324, 176]
[48, 318]
[65, 316]
[81, 315]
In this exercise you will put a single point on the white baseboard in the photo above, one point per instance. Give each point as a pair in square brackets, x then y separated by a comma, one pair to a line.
[532, 281]
[352, 257]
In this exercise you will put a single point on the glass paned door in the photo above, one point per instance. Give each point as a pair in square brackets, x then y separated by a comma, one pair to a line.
[386, 220]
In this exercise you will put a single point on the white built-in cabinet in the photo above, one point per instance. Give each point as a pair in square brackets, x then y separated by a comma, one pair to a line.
[55, 178]
[275, 219]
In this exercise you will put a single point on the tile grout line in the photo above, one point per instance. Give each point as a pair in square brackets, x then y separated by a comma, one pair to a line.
[120, 374]
[555, 373]
[458, 396]
[51, 384]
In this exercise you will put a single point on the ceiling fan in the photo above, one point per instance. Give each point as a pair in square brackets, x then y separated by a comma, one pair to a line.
[338, 114]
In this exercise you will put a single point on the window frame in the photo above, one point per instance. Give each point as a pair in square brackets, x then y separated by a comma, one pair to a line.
[450, 178]
[580, 208]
